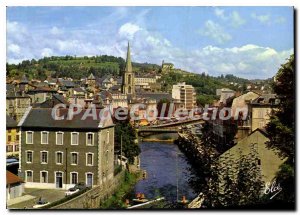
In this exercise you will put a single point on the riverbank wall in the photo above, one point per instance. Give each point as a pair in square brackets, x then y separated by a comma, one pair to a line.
[93, 198]
[190, 145]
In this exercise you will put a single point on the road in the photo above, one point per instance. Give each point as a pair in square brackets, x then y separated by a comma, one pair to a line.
[49, 195]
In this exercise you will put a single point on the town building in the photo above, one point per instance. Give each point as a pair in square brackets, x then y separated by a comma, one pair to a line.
[40, 94]
[224, 94]
[255, 149]
[260, 110]
[77, 92]
[91, 81]
[12, 137]
[113, 100]
[185, 94]
[144, 82]
[240, 113]
[14, 186]
[60, 153]
[16, 104]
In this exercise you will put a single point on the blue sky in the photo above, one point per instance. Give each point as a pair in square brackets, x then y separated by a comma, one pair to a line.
[249, 42]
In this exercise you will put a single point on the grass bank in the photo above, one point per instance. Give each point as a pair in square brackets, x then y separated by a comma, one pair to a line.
[117, 200]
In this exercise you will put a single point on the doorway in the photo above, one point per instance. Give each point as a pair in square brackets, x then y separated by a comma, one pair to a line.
[59, 180]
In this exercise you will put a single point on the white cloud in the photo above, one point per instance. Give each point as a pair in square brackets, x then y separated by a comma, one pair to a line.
[220, 13]
[264, 19]
[236, 19]
[47, 52]
[56, 31]
[280, 20]
[233, 18]
[128, 30]
[249, 60]
[13, 48]
[215, 32]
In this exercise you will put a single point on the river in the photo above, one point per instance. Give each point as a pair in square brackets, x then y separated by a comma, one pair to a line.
[164, 164]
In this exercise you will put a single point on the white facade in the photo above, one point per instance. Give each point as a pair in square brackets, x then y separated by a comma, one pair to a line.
[185, 94]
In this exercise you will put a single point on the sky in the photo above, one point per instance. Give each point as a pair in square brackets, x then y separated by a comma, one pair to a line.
[249, 42]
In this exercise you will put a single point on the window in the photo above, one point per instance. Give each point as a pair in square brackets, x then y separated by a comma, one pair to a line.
[29, 156]
[8, 138]
[29, 137]
[258, 162]
[17, 148]
[44, 177]
[107, 137]
[74, 158]
[58, 179]
[261, 124]
[89, 179]
[9, 148]
[90, 139]
[44, 137]
[89, 159]
[29, 176]
[17, 137]
[74, 138]
[74, 178]
[59, 157]
[261, 113]
[106, 156]
[59, 138]
[129, 79]
[44, 157]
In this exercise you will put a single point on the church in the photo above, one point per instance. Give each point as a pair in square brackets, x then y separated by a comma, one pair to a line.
[128, 85]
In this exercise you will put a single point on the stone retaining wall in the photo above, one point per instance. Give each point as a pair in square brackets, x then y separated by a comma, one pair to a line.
[92, 198]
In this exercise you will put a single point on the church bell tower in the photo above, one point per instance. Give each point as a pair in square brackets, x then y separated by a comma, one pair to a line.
[128, 86]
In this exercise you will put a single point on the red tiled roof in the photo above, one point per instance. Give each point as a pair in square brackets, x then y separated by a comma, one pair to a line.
[12, 178]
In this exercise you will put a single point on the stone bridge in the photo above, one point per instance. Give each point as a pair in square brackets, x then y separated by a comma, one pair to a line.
[167, 128]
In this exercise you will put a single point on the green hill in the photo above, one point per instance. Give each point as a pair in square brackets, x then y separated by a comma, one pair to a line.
[74, 67]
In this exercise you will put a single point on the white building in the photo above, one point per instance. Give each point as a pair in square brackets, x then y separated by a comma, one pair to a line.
[185, 94]
[144, 82]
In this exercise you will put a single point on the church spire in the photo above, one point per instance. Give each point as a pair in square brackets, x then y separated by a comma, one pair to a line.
[128, 67]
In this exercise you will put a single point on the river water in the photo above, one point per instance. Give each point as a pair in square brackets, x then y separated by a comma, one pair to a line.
[166, 167]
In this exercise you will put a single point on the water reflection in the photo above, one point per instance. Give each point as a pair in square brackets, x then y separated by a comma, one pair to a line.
[166, 167]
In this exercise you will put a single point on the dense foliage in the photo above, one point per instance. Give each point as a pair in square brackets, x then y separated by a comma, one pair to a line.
[204, 84]
[281, 128]
[127, 134]
[74, 67]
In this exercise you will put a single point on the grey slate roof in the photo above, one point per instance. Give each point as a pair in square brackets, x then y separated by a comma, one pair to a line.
[266, 99]
[10, 122]
[156, 96]
[91, 77]
[56, 99]
[67, 83]
[78, 89]
[42, 118]
[10, 87]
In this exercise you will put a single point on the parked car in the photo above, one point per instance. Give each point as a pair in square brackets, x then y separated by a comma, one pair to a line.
[11, 161]
[71, 191]
[41, 203]
[198, 131]
[80, 186]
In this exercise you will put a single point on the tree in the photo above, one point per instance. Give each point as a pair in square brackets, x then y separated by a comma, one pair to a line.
[249, 183]
[160, 106]
[281, 128]
[130, 148]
